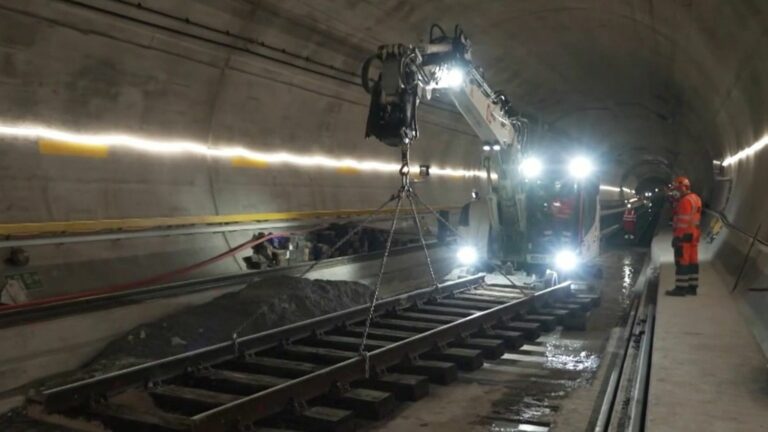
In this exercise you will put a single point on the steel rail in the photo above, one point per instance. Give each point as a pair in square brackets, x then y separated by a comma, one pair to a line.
[611, 395]
[629, 366]
[82, 392]
[639, 400]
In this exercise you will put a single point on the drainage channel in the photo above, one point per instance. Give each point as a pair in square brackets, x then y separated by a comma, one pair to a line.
[310, 376]
[624, 403]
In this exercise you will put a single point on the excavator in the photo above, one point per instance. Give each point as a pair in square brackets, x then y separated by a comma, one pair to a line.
[533, 217]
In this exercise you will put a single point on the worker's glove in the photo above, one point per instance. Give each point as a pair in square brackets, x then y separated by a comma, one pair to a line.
[687, 238]
[677, 241]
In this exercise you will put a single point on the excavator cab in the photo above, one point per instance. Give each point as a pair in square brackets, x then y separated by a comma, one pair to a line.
[563, 223]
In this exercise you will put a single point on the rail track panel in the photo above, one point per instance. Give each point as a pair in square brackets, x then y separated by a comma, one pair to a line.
[311, 375]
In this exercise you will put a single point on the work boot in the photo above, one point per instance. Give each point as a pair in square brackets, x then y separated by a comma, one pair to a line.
[677, 292]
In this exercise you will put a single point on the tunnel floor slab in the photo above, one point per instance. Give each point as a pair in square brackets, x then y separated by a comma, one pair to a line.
[708, 372]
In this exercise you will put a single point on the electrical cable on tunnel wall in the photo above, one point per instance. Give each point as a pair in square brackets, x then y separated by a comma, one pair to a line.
[142, 283]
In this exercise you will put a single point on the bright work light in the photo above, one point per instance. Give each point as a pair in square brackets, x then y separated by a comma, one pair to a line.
[531, 168]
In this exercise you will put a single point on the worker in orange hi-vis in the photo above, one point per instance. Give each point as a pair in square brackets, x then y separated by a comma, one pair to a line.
[687, 232]
[629, 222]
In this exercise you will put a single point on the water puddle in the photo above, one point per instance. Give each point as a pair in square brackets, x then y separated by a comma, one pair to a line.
[570, 355]
[567, 360]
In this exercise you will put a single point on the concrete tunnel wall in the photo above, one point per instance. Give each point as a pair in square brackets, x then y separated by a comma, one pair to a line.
[69, 67]
[677, 83]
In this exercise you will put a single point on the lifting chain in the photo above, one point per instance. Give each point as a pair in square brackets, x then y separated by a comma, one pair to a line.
[382, 267]
[459, 235]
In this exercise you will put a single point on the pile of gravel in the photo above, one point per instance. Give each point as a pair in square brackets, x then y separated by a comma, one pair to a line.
[265, 304]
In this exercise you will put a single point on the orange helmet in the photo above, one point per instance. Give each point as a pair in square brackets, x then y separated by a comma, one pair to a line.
[682, 184]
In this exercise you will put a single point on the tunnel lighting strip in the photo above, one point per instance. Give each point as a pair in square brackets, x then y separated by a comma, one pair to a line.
[224, 152]
[615, 189]
[754, 148]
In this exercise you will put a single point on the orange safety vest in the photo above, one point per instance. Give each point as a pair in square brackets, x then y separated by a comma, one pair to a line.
[630, 215]
[687, 217]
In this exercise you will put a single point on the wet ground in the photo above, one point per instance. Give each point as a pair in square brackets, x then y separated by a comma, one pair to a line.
[549, 385]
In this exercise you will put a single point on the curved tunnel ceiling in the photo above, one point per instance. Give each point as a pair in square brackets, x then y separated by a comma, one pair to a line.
[633, 79]
[628, 79]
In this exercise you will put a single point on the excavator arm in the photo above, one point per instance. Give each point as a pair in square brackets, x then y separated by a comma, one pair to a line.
[411, 74]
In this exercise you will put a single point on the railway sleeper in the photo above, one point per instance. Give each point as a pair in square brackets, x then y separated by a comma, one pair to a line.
[314, 354]
[233, 382]
[366, 403]
[405, 387]
[128, 418]
[273, 366]
[572, 303]
[513, 340]
[530, 330]
[463, 302]
[465, 359]
[560, 315]
[491, 349]
[467, 304]
[189, 400]
[593, 299]
[326, 419]
[438, 372]
[577, 321]
[547, 322]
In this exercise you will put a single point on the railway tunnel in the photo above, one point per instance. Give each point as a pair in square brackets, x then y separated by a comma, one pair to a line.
[146, 146]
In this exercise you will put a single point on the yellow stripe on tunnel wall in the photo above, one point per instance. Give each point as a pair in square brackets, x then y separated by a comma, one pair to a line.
[347, 170]
[66, 148]
[244, 162]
